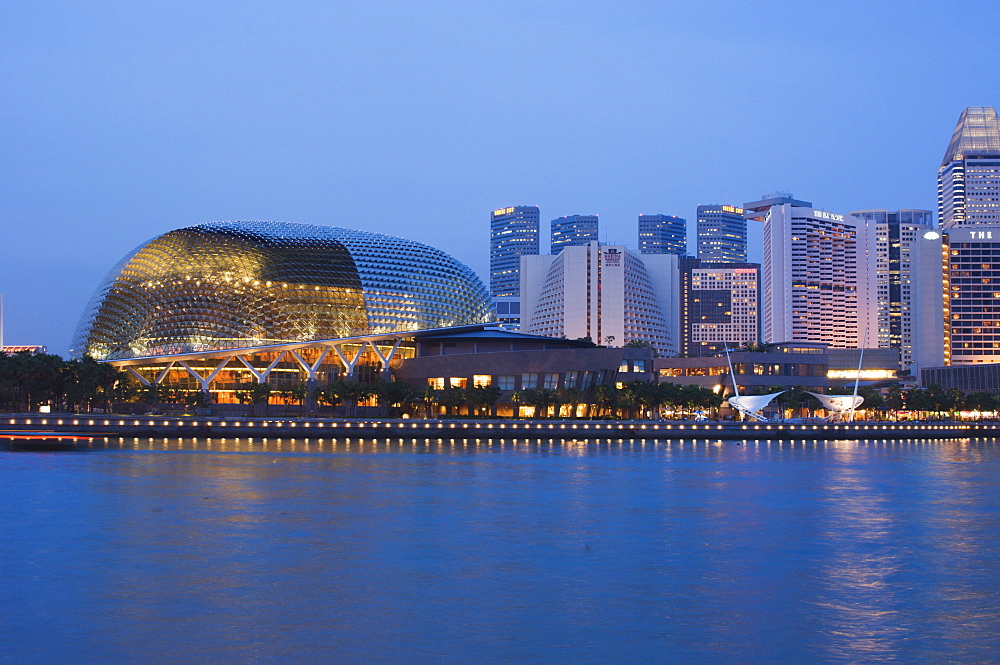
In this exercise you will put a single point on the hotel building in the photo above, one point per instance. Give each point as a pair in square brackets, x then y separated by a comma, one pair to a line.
[722, 234]
[607, 293]
[818, 274]
[971, 294]
[719, 306]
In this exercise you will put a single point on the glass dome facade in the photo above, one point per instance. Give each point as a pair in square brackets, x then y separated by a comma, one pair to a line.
[241, 284]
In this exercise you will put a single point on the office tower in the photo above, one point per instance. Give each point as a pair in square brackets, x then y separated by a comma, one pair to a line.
[573, 230]
[607, 293]
[513, 233]
[969, 177]
[722, 234]
[719, 306]
[819, 272]
[908, 278]
[662, 234]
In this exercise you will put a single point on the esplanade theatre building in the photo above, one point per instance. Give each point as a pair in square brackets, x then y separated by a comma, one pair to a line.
[217, 305]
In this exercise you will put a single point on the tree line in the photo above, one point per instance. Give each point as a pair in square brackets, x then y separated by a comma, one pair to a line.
[30, 380]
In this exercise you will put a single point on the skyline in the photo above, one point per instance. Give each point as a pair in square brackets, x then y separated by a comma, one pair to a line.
[417, 122]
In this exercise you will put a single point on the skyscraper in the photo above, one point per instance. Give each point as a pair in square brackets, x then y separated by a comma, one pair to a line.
[513, 234]
[969, 215]
[819, 272]
[572, 230]
[722, 234]
[969, 177]
[908, 278]
[662, 234]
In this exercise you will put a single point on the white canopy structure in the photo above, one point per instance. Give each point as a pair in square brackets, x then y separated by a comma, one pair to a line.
[752, 405]
[838, 405]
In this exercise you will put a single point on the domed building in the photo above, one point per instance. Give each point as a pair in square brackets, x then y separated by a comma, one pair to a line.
[231, 285]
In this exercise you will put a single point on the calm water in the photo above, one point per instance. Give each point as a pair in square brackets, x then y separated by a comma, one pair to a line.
[439, 552]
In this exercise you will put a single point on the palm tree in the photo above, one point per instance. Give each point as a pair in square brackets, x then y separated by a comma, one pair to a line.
[451, 398]
[483, 397]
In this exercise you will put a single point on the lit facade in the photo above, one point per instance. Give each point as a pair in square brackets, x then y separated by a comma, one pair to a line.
[969, 176]
[513, 234]
[722, 234]
[572, 230]
[971, 293]
[818, 274]
[227, 285]
[908, 278]
[607, 293]
[662, 234]
[719, 306]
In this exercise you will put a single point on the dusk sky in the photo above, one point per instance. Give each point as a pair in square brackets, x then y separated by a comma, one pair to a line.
[122, 121]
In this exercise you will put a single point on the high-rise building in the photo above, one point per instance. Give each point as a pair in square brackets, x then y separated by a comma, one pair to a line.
[607, 293]
[969, 177]
[722, 234]
[662, 234]
[819, 272]
[573, 230]
[908, 278]
[969, 215]
[513, 234]
[719, 306]
[971, 294]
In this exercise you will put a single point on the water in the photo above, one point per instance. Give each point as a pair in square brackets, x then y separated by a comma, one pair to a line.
[451, 552]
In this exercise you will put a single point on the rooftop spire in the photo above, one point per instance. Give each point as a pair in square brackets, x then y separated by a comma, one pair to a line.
[977, 133]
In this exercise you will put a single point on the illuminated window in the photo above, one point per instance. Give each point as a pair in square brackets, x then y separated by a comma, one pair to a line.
[458, 382]
[481, 380]
[436, 384]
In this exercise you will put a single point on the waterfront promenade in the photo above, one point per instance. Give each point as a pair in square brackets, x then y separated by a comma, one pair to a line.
[369, 428]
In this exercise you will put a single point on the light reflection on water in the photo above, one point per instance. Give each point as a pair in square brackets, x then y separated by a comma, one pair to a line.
[437, 550]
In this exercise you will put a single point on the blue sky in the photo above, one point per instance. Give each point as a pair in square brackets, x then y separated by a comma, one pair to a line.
[121, 121]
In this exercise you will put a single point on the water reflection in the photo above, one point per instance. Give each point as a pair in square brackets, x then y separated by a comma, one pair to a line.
[454, 550]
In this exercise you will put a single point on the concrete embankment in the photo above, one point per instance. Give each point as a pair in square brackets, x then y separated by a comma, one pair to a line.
[317, 428]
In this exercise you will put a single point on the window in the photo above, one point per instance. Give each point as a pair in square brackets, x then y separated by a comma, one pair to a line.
[551, 381]
[639, 365]
[458, 382]
[481, 380]
[571, 379]
[529, 381]
[436, 384]
[624, 366]
[505, 382]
